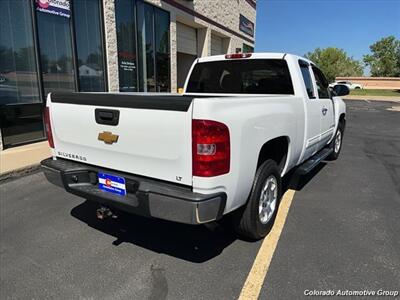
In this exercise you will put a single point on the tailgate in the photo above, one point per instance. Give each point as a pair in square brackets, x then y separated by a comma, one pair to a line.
[152, 136]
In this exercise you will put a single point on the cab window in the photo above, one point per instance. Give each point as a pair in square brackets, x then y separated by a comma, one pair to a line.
[242, 76]
[322, 83]
[305, 72]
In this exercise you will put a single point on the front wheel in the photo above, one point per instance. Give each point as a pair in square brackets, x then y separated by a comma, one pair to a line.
[336, 143]
[256, 218]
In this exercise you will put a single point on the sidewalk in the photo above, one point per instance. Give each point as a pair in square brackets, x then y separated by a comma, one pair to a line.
[372, 98]
[23, 157]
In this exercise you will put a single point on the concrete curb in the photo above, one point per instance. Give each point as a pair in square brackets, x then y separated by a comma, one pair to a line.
[19, 172]
[18, 159]
[373, 98]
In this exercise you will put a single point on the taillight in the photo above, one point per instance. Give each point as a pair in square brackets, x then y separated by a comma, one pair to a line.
[210, 148]
[237, 55]
[47, 124]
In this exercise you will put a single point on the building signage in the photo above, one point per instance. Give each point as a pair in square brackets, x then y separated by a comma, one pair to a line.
[246, 25]
[127, 61]
[54, 7]
[127, 70]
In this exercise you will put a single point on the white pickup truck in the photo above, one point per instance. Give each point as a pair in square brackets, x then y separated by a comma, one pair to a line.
[223, 146]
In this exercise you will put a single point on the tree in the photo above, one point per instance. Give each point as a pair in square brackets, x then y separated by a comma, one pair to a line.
[335, 62]
[385, 58]
[7, 61]
[94, 58]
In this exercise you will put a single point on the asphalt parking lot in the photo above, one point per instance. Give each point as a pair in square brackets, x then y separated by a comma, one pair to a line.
[341, 232]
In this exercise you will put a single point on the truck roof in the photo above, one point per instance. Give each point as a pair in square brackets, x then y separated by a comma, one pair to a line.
[258, 55]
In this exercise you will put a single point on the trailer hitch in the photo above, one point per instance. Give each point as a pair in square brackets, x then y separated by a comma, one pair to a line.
[104, 213]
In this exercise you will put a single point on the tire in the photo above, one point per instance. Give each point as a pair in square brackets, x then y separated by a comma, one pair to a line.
[357, 88]
[337, 148]
[249, 222]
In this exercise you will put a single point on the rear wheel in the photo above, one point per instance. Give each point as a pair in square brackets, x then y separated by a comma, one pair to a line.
[336, 143]
[255, 220]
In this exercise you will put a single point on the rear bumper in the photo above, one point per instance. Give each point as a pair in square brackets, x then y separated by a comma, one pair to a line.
[146, 197]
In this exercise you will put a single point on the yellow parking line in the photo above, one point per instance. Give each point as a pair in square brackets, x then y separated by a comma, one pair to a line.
[252, 286]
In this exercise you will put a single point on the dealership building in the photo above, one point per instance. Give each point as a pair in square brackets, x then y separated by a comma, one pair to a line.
[106, 45]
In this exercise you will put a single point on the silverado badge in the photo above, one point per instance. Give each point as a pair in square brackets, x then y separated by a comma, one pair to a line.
[107, 137]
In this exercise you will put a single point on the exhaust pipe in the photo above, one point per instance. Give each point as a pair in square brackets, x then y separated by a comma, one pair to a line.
[104, 213]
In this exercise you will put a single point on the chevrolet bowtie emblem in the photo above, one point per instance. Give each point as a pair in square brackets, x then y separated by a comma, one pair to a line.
[107, 137]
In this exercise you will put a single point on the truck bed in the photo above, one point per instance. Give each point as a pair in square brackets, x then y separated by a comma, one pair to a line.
[147, 135]
[128, 100]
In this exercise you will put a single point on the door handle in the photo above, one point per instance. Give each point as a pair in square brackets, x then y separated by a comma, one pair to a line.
[324, 111]
[106, 116]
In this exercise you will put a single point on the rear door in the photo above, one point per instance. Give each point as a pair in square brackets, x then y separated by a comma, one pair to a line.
[140, 134]
[327, 108]
[313, 112]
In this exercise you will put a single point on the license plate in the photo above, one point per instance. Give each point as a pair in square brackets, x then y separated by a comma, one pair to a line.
[111, 183]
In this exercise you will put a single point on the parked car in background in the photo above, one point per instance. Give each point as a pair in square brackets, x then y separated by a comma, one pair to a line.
[349, 84]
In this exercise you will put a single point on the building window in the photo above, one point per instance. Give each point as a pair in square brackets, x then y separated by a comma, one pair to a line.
[89, 45]
[126, 41]
[149, 70]
[55, 52]
[62, 69]
[247, 49]
[20, 103]
[30, 28]
[18, 73]
[146, 47]
[162, 50]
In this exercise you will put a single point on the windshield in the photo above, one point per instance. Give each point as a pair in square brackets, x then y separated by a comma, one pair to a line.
[244, 76]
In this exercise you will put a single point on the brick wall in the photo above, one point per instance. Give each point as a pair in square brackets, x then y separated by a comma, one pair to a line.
[389, 83]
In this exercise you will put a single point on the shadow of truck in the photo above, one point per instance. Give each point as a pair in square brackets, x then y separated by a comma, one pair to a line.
[188, 242]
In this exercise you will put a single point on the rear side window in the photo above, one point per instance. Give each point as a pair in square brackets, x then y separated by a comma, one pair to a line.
[254, 76]
[305, 71]
[322, 83]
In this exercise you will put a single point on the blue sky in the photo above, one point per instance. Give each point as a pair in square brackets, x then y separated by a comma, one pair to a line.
[299, 26]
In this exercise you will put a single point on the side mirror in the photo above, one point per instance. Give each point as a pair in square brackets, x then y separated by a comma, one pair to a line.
[341, 90]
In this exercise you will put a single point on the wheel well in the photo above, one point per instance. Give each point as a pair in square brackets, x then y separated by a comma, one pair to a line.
[342, 119]
[275, 149]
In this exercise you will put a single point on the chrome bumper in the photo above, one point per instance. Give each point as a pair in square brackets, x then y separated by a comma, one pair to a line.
[146, 197]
